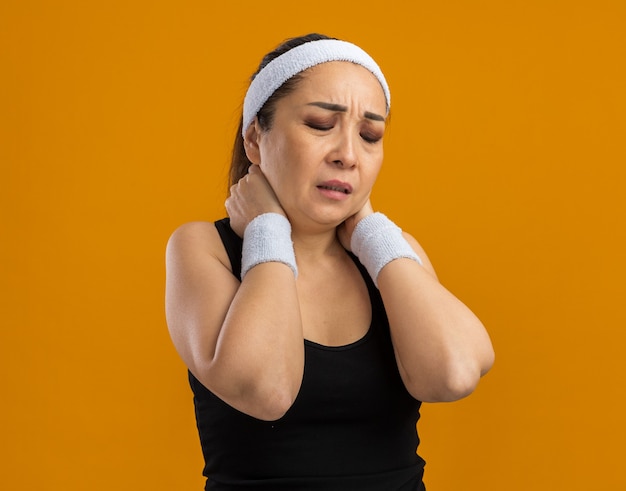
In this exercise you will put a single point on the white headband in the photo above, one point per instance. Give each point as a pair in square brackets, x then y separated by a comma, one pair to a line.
[298, 59]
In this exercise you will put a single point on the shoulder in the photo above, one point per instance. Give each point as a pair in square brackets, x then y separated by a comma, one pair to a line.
[196, 241]
[194, 231]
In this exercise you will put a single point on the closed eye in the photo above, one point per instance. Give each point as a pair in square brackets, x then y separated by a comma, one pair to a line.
[370, 138]
[319, 127]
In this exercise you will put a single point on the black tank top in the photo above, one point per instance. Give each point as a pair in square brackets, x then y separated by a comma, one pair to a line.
[351, 427]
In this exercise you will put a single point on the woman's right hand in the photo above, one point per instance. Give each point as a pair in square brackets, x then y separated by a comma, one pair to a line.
[250, 197]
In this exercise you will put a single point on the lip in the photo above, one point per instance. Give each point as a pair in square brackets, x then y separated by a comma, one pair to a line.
[336, 185]
[335, 190]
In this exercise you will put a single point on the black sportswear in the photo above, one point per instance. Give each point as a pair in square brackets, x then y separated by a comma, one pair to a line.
[352, 426]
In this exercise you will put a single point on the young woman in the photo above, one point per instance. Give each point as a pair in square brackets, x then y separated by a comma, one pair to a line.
[312, 326]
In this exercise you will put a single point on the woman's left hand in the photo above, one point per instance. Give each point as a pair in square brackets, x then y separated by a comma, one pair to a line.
[344, 231]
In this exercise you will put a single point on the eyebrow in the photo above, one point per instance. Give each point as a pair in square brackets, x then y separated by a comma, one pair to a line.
[342, 109]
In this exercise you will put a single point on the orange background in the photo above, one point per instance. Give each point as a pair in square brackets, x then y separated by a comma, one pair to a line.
[505, 157]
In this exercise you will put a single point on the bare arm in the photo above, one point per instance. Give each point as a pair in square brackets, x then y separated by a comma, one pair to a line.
[243, 341]
[441, 347]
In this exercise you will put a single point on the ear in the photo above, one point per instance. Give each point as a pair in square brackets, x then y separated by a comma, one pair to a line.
[251, 142]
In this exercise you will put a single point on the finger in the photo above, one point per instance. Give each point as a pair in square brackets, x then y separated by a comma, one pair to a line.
[254, 169]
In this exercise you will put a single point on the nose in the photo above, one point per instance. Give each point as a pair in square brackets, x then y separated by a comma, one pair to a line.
[345, 153]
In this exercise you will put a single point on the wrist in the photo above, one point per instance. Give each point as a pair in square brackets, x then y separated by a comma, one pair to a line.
[377, 241]
[267, 238]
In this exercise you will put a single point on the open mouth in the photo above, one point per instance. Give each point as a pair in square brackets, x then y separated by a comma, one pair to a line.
[335, 185]
[340, 189]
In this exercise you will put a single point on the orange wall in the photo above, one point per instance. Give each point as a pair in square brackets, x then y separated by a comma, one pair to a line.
[505, 156]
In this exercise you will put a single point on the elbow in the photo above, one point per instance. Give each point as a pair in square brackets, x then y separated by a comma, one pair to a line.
[273, 406]
[462, 377]
[452, 374]
[447, 390]
[459, 386]
[452, 384]
[269, 396]
[263, 398]
[268, 402]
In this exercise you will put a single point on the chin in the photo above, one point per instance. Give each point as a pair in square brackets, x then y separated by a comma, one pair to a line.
[325, 220]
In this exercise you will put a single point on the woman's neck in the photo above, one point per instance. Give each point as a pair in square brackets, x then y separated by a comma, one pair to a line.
[312, 246]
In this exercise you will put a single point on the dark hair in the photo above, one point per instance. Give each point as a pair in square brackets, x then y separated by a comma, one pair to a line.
[239, 161]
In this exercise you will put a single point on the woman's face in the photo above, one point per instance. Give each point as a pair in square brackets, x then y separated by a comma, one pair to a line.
[324, 149]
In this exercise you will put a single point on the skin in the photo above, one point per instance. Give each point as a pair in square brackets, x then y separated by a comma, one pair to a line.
[245, 341]
[309, 144]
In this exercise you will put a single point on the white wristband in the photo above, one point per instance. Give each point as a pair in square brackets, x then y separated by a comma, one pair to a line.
[377, 241]
[267, 238]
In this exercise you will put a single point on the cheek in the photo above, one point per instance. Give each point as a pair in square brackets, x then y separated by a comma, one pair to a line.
[277, 166]
[374, 167]
[270, 152]
[279, 160]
